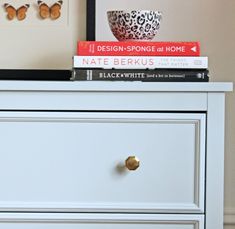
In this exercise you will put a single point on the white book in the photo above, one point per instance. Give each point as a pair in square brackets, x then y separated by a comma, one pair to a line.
[140, 62]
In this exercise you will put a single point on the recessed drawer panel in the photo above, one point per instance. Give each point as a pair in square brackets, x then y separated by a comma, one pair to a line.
[74, 162]
[94, 221]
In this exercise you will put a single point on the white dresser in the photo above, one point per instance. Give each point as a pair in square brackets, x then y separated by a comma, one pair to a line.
[88, 155]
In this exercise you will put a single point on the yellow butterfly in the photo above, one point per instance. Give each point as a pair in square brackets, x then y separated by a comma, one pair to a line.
[52, 12]
[19, 13]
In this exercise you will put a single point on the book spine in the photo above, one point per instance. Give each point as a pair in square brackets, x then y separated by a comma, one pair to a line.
[173, 75]
[112, 48]
[139, 62]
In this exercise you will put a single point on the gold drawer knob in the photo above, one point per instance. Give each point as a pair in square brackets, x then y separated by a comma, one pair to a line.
[132, 163]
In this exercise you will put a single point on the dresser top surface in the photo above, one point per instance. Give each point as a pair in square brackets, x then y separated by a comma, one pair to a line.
[115, 86]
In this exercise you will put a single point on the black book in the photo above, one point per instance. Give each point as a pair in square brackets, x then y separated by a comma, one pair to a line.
[145, 75]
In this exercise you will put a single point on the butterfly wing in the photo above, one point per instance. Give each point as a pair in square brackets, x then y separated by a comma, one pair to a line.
[11, 11]
[21, 12]
[55, 10]
[44, 10]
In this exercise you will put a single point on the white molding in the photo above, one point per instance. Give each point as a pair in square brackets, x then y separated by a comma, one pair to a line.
[229, 216]
[197, 221]
[99, 208]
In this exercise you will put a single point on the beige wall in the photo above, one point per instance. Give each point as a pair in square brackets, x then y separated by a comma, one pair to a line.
[212, 22]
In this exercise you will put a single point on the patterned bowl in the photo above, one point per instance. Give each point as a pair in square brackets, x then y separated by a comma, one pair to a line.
[135, 25]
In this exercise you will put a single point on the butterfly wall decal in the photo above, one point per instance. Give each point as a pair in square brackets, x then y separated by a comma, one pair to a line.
[19, 13]
[52, 12]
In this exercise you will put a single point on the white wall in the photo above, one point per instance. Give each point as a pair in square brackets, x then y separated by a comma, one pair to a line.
[212, 22]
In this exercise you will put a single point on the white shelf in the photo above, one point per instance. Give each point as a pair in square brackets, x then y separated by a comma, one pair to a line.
[115, 86]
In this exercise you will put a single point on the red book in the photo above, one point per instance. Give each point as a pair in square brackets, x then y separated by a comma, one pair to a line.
[137, 48]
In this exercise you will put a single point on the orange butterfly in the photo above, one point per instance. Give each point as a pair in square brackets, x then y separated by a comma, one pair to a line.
[19, 13]
[52, 12]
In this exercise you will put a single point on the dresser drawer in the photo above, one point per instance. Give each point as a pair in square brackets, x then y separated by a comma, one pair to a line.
[75, 162]
[103, 221]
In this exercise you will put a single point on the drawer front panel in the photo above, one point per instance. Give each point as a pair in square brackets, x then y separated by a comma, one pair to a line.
[115, 101]
[76, 162]
[86, 221]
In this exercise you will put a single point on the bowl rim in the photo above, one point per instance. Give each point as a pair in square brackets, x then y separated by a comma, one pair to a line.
[131, 11]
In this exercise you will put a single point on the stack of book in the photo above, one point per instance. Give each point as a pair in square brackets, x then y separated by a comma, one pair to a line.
[139, 61]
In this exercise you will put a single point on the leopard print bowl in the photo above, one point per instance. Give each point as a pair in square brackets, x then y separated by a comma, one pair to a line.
[135, 25]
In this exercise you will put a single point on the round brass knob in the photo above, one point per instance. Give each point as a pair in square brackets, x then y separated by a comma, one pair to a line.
[132, 163]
